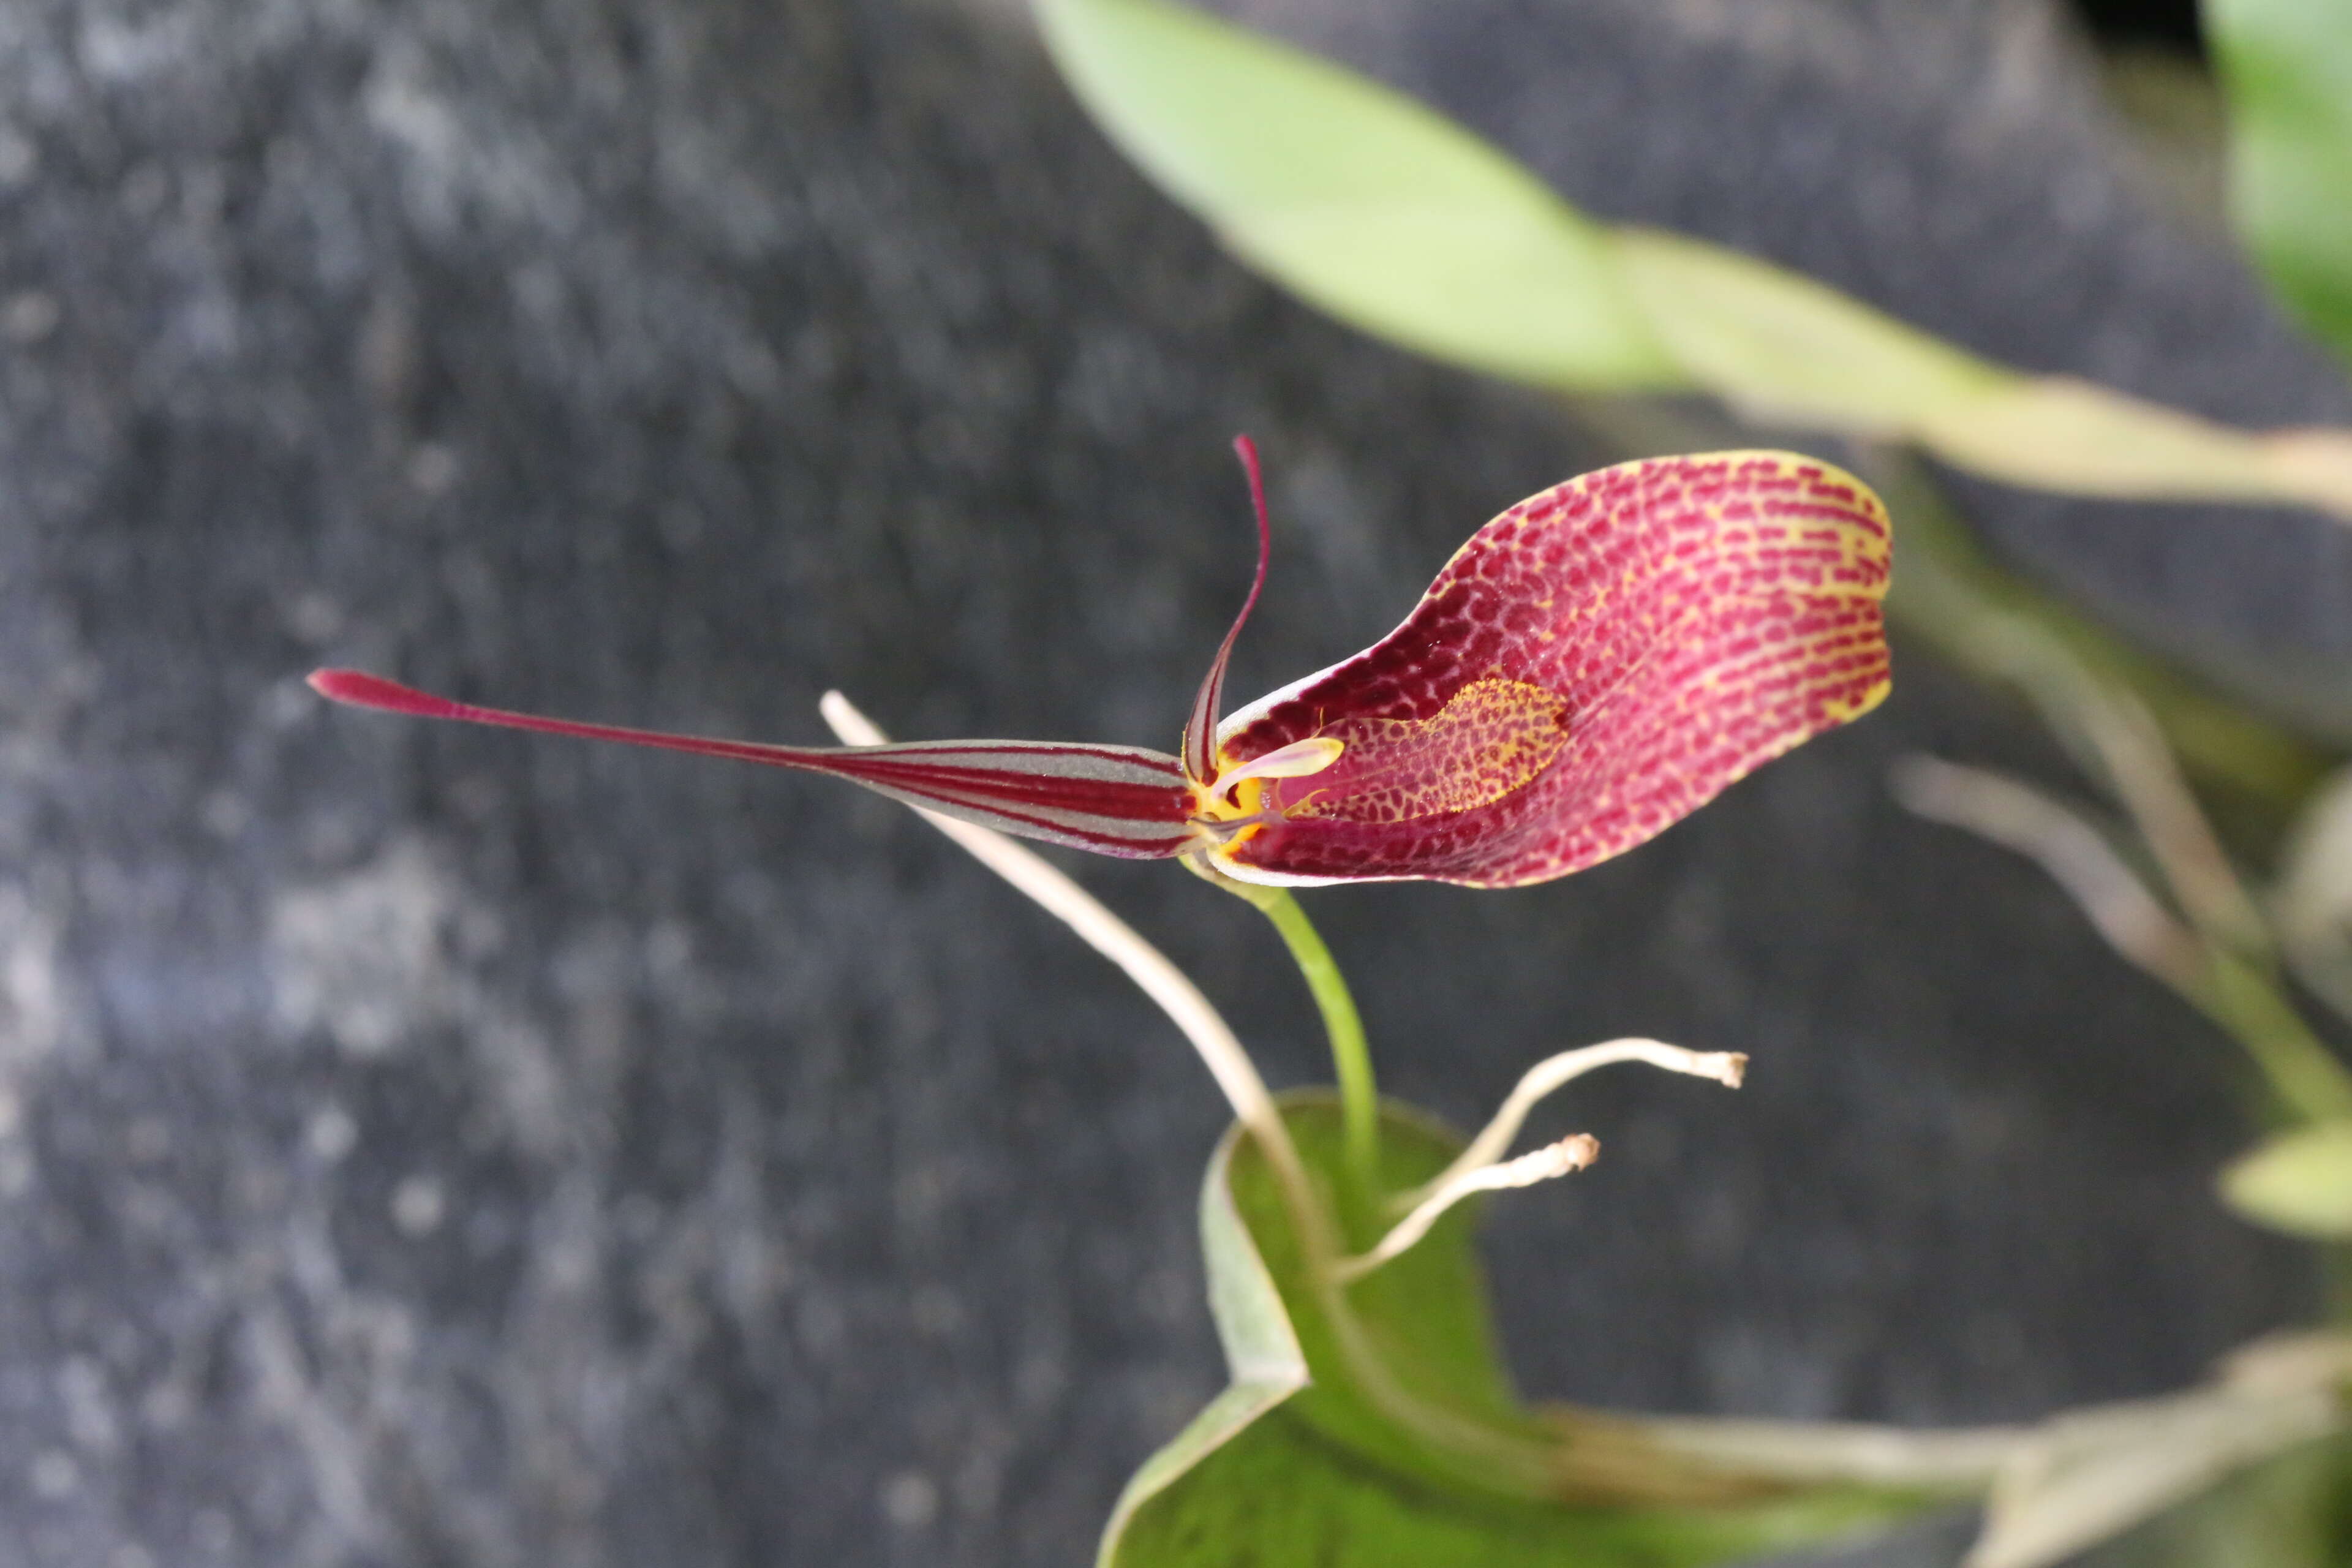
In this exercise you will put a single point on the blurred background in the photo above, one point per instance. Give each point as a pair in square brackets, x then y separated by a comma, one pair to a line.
[422, 1146]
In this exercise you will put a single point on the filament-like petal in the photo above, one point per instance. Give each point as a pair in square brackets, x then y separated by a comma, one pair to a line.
[1201, 725]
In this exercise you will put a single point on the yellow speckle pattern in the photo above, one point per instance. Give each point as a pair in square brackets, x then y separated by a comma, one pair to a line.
[1490, 740]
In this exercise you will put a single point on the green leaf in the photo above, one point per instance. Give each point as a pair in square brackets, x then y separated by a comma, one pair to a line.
[1262, 1356]
[2285, 67]
[1362, 202]
[1777, 344]
[1782, 347]
[1404, 224]
[2289, 1512]
[2088, 1475]
[2312, 903]
[1426, 1456]
[2300, 1182]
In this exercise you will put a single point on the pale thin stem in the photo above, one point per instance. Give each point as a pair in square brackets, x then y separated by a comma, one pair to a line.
[1547, 1076]
[1570, 1153]
[2312, 900]
[2147, 778]
[2306, 1076]
[2077, 856]
[1104, 931]
[1352, 1055]
[2100, 704]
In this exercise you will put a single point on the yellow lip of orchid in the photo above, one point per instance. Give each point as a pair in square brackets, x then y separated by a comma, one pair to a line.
[1234, 803]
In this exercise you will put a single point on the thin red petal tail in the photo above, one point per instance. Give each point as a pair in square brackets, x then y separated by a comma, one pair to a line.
[361, 689]
[1201, 728]
[1113, 800]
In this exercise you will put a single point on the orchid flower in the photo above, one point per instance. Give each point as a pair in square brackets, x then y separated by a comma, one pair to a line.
[1595, 664]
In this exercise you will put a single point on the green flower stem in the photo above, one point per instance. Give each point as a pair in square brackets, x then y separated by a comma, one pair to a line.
[1351, 1057]
[2310, 1081]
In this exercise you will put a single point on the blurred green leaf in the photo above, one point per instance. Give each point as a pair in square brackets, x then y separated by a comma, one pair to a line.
[2312, 903]
[2300, 1182]
[1777, 344]
[1306, 1459]
[1404, 224]
[1392, 218]
[2088, 1475]
[2285, 1513]
[2285, 67]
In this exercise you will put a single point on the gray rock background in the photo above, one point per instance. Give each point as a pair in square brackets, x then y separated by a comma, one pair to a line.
[426, 1146]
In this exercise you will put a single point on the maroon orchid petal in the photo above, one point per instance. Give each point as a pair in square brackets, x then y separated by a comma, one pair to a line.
[1593, 665]
[1200, 727]
[1114, 800]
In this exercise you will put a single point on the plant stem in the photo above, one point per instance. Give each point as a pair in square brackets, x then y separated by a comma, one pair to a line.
[1220, 1048]
[2309, 1081]
[1351, 1057]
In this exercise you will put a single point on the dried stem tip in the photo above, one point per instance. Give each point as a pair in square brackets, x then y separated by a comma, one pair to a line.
[1726, 1067]
[1573, 1152]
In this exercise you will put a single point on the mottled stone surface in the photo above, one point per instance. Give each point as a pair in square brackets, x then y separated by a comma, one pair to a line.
[426, 1146]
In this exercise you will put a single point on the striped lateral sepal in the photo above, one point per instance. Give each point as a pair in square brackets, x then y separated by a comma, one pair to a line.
[1113, 800]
